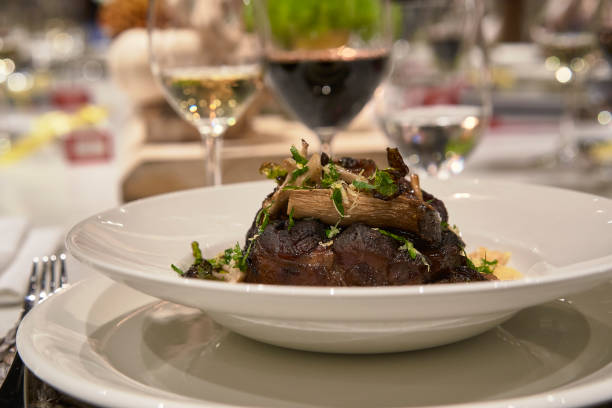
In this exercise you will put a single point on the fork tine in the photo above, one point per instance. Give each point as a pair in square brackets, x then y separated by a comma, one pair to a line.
[32, 294]
[52, 280]
[42, 294]
[63, 275]
[33, 277]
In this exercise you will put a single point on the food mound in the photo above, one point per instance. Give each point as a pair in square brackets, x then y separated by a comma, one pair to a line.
[345, 222]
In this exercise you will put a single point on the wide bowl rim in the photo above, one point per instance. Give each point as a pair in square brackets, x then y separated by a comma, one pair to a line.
[591, 268]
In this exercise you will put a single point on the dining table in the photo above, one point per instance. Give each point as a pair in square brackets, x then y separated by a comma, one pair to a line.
[49, 190]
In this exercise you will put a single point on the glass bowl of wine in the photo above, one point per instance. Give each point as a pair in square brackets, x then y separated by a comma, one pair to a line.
[205, 56]
[324, 59]
[565, 32]
[435, 104]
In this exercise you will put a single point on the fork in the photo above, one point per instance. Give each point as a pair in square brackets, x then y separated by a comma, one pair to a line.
[44, 281]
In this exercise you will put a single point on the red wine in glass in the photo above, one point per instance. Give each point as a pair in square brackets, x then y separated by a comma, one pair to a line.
[326, 89]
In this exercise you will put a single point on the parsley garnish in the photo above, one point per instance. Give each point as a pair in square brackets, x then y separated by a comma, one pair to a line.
[231, 254]
[407, 245]
[204, 268]
[337, 201]
[195, 250]
[262, 219]
[273, 171]
[332, 231]
[363, 186]
[330, 176]
[298, 172]
[486, 266]
[297, 156]
[177, 269]
[291, 221]
[297, 188]
[384, 184]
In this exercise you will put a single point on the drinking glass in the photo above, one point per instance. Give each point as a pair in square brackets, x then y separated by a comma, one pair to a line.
[325, 58]
[436, 103]
[566, 33]
[206, 57]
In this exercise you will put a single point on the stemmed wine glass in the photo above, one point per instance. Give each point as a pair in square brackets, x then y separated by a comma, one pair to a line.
[325, 58]
[566, 33]
[436, 103]
[206, 56]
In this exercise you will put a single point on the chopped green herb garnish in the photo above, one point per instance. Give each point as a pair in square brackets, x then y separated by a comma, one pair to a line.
[337, 200]
[384, 183]
[237, 253]
[332, 231]
[297, 156]
[243, 262]
[486, 266]
[227, 256]
[444, 224]
[264, 222]
[262, 219]
[330, 176]
[298, 172]
[202, 271]
[272, 171]
[195, 250]
[216, 263]
[177, 269]
[204, 268]
[407, 245]
[231, 254]
[363, 186]
[297, 188]
[291, 221]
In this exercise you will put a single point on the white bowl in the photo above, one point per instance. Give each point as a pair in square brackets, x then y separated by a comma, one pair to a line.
[111, 346]
[559, 239]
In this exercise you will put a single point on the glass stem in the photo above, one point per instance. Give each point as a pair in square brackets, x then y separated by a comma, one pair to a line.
[212, 156]
[325, 137]
[567, 148]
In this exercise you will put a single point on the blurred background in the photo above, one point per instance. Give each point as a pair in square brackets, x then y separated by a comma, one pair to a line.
[84, 125]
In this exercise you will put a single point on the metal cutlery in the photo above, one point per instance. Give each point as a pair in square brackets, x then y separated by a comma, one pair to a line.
[48, 275]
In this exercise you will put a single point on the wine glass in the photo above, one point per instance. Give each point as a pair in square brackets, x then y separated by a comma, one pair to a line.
[325, 58]
[436, 103]
[566, 33]
[206, 56]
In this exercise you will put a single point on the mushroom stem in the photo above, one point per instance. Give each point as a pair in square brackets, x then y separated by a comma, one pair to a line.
[402, 212]
[416, 186]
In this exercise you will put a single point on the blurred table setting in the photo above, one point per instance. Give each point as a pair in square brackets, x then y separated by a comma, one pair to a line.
[86, 125]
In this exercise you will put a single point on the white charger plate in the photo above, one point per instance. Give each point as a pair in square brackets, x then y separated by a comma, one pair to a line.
[112, 346]
[560, 240]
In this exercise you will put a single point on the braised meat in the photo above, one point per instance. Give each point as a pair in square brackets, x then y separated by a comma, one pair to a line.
[358, 256]
[346, 222]
[284, 256]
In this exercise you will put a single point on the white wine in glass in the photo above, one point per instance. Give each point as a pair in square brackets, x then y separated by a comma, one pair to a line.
[435, 105]
[212, 97]
[206, 57]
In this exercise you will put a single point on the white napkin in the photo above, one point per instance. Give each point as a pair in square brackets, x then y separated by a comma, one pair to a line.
[12, 231]
[38, 242]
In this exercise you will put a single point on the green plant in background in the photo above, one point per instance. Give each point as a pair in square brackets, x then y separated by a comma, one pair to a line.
[312, 24]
